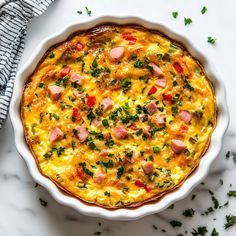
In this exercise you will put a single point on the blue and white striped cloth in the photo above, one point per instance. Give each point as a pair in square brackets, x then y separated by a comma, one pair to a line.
[14, 17]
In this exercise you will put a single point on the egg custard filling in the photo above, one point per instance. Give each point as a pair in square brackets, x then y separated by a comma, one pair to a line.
[118, 115]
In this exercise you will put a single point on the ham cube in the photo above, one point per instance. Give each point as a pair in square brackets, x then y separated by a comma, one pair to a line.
[177, 145]
[99, 178]
[82, 133]
[148, 167]
[151, 107]
[117, 53]
[156, 70]
[65, 71]
[185, 116]
[54, 92]
[160, 120]
[97, 123]
[107, 103]
[77, 79]
[161, 82]
[55, 135]
[120, 132]
[103, 153]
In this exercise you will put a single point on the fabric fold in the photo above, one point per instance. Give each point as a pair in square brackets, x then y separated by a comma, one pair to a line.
[14, 17]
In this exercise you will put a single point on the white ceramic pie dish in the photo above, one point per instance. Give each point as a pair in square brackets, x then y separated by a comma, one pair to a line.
[119, 214]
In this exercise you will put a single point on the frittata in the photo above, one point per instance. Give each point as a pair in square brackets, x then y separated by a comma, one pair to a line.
[118, 115]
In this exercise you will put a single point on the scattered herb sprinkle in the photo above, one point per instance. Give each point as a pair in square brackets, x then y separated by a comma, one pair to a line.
[43, 202]
[211, 40]
[230, 221]
[88, 11]
[187, 21]
[175, 14]
[204, 10]
[175, 223]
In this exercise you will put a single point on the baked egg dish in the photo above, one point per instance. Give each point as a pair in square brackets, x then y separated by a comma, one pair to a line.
[118, 116]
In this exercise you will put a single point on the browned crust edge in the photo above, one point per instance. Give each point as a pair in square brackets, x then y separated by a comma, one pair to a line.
[95, 31]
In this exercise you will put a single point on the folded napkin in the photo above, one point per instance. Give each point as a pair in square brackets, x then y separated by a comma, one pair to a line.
[14, 17]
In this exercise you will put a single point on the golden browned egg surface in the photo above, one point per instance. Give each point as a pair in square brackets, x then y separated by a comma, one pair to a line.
[118, 115]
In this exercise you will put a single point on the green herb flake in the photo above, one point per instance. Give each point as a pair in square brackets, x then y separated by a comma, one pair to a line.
[189, 213]
[201, 230]
[120, 171]
[88, 11]
[211, 40]
[230, 221]
[52, 55]
[214, 232]
[43, 202]
[231, 193]
[187, 21]
[204, 10]
[175, 223]
[80, 12]
[175, 14]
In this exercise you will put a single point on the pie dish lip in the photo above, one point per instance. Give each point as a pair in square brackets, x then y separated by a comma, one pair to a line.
[120, 214]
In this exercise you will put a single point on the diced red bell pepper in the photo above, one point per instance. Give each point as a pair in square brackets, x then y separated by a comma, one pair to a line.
[83, 176]
[91, 100]
[128, 37]
[167, 97]
[79, 46]
[76, 115]
[140, 184]
[152, 90]
[183, 129]
[178, 67]
[65, 71]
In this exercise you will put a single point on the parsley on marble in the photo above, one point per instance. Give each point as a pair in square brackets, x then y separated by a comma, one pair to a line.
[201, 230]
[187, 21]
[88, 11]
[230, 221]
[189, 213]
[175, 223]
[204, 10]
[211, 40]
[214, 232]
[175, 14]
[80, 12]
[231, 193]
[43, 202]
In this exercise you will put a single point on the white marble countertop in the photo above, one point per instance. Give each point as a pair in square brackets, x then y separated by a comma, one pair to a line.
[22, 214]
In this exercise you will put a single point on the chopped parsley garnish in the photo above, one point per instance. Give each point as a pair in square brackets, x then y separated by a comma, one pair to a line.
[80, 12]
[175, 14]
[156, 149]
[126, 85]
[41, 85]
[187, 21]
[60, 150]
[175, 223]
[41, 115]
[189, 212]
[86, 171]
[201, 230]
[204, 10]
[231, 193]
[105, 123]
[108, 164]
[52, 55]
[89, 12]
[120, 171]
[230, 221]
[43, 202]
[214, 232]
[211, 40]
[108, 194]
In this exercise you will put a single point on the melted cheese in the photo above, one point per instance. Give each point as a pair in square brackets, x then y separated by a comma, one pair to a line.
[64, 160]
